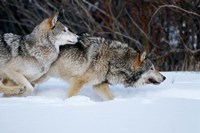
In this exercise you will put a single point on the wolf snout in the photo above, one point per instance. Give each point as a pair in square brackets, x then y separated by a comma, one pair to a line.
[73, 39]
[156, 80]
[163, 77]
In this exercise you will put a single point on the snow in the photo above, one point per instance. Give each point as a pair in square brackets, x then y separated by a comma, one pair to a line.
[171, 107]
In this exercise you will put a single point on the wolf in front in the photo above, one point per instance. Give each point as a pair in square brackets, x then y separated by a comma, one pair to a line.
[100, 62]
[24, 59]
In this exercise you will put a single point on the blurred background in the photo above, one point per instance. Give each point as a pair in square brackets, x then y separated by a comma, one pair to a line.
[169, 30]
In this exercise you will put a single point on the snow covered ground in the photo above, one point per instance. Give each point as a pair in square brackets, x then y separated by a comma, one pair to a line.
[171, 107]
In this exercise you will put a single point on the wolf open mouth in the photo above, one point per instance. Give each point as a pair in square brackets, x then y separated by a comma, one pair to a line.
[153, 81]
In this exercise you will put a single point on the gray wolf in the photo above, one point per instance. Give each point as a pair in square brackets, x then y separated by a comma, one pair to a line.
[100, 63]
[24, 59]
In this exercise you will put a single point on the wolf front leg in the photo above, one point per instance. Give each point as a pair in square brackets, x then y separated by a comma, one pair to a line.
[103, 91]
[20, 80]
[76, 84]
[42, 79]
[9, 89]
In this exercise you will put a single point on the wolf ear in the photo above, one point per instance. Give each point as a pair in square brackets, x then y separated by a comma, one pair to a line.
[52, 20]
[143, 55]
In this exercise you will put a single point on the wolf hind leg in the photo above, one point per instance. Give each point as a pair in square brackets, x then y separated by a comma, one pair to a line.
[20, 80]
[103, 91]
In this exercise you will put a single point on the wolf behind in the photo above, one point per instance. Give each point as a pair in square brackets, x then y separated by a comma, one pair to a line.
[24, 59]
[100, 62]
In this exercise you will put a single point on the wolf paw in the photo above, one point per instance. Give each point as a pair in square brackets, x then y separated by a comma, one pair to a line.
[25, 92]
[14, 91]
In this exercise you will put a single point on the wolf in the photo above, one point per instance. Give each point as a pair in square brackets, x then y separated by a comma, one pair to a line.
[101, 62]
[24, 59]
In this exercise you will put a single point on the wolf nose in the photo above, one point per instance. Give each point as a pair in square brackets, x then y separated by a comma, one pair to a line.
[164, 78]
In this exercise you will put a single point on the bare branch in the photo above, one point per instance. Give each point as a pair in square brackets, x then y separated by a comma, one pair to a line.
[138, 27]
[171, 7]
[138, 44]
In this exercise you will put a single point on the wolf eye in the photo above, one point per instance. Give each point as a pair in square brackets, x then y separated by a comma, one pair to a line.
[151, 68]
[64, 30]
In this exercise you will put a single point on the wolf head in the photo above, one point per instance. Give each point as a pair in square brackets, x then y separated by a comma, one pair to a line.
[57, 33]
[133, 69]
[149, 75]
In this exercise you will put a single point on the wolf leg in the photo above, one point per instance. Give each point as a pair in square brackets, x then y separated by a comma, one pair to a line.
[75, 86]
[9, 90]
[42, 79]
[103, 91]
[19, 79]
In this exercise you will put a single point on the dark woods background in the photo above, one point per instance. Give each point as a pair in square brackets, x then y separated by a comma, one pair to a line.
[168, 29]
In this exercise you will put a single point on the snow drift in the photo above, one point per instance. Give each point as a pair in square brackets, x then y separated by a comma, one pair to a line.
[171, 107]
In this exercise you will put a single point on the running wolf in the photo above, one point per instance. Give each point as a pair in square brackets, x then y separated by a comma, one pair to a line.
[100, 62]
[24, 59]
